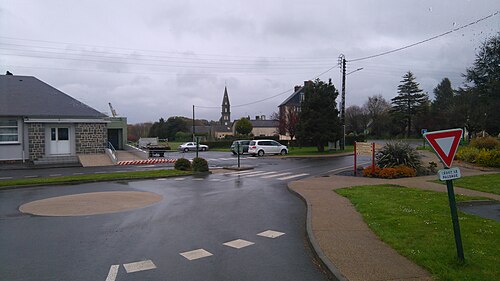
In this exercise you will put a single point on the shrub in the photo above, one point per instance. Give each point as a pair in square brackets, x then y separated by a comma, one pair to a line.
[467, 154]
[367, 172]
[200, 165]
[431, 169]
[400, 171]
[489, 158]
[396, 154]
[403, 171]
[388, 173]
[485, 143]
[182, 164]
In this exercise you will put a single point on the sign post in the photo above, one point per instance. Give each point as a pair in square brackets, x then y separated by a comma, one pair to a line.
[238, 149]
[445, 143]
[364, 149]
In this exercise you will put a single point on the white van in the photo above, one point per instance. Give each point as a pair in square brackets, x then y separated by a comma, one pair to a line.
[261, 147]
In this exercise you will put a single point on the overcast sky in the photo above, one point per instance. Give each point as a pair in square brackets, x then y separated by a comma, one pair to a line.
[154, 59]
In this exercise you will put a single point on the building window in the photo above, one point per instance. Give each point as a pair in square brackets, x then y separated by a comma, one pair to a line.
[8, 131]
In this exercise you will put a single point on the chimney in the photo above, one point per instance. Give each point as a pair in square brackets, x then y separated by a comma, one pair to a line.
[297, 88]
[263, 117]
[307, 82]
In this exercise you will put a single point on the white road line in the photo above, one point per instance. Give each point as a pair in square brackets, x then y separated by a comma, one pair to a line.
[28, 177]
[347, 167]
[271, 234]
[246, 173]
[276, 175]
[162, 179]
[6, 178]
[55, 175]
[214, 180]
[139, 266]
[258, 175]
[100, 172]
[292, 176]
[77, 173]
[196, 254]
[121, 171]
[179, 179]
[113, 271]
[238, 243]
[198, 179]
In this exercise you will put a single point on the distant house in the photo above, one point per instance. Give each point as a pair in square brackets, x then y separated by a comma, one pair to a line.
[39, 122]
[262, 127]
[291, 105]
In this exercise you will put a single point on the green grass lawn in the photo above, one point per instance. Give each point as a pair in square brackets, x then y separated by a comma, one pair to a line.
[94, 177]
[487, 183]
[417, 224]
[312, 150]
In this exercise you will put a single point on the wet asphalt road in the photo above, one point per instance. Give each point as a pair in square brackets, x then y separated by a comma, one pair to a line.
[195, 213]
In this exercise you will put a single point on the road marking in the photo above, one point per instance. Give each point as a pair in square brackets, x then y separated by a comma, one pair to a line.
[271, 234]
[113, 271]
[179, 179]
[196, 254]
[121, 171]
[292, 176]
[347, 167]
[198, 179]
[162, 179]
[214, 179]
[100, 172]
[55, 175]
[77, 173]
[6, 178]
[139, 266]
[28, 177]
[238, 243]
[246, 173]
[259, 174]
[276, 175]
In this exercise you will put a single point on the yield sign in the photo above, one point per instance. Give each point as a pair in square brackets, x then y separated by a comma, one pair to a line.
[445, 143]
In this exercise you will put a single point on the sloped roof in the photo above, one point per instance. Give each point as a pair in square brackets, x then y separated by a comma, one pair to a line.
[29, 97]
[292, 96]
[264, 123]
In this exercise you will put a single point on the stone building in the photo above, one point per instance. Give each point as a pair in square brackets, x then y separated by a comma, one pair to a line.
[41, 124]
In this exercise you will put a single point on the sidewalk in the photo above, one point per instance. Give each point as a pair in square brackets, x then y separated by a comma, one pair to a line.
[344, 242]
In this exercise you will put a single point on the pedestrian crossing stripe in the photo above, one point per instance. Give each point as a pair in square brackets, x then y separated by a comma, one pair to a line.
[292, 176]
[275, 175]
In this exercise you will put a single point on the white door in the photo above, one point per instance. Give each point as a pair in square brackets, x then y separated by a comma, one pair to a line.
[59, 141]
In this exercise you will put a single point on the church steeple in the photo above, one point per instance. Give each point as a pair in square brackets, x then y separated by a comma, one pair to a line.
[225, 118]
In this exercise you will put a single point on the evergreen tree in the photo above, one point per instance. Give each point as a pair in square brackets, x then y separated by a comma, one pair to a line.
[409, 101]
[319, 120]
[442, 105]
[485, 76]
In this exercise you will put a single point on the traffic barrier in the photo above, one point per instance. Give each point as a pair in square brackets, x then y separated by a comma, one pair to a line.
[145, 162]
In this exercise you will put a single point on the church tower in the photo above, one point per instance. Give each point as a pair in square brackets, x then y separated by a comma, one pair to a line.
[225, 118]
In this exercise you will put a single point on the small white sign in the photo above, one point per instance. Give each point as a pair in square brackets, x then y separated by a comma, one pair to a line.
[449, 174]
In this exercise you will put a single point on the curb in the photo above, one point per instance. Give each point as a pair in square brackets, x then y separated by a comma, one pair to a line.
[144, 162]
[333, 272]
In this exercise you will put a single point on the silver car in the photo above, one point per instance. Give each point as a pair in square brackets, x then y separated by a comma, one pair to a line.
[261, 147]
[187, 146]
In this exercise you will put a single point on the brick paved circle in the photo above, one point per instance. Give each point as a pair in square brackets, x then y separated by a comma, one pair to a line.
[93, 203]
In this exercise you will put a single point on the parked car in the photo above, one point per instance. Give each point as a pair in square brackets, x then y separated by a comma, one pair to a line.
[261, 147]
[243, 143]
[187, 146]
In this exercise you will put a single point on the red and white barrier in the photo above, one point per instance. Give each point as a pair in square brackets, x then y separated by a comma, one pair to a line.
[145, 162]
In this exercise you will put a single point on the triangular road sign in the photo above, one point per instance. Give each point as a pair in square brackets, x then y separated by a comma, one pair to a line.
[445, 143]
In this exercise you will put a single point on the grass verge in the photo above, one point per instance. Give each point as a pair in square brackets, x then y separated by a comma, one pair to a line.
[417, 224]
[486, 183]
[312, 150]
[94, 177]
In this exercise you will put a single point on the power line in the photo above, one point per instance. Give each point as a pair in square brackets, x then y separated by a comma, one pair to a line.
[426, 40]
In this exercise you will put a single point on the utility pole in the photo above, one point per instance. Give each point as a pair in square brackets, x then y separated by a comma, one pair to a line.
[193, 125]
[342, 105]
